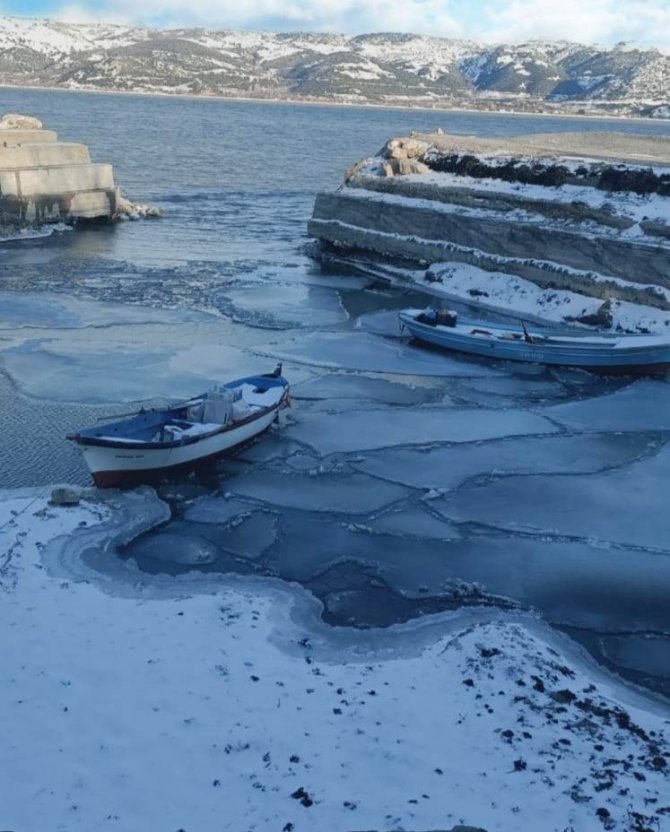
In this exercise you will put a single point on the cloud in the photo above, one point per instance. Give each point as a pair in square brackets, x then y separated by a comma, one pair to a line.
[348, 16]
[646, 22]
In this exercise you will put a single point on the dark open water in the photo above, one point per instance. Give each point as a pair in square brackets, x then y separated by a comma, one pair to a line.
[403, 481]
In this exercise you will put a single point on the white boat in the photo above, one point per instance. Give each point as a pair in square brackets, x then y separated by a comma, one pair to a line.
[152, 442]
[602, 352]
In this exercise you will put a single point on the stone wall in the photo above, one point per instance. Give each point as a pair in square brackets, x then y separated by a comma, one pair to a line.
[588, 246]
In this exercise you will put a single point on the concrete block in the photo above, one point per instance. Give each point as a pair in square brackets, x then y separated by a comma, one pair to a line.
[12, 138]
[90, 205]
[43, 154]
[53, 181]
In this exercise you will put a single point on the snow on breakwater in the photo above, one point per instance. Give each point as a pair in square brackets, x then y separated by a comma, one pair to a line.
[584, 219]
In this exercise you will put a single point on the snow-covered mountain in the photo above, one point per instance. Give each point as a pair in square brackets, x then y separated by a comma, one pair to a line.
[393, 68]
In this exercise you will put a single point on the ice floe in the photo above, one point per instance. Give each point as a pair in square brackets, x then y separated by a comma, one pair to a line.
[354, 493]
[626, 506]
[365, 352]
[281, 305]
[641, 406]
[369, 429]
[448, 467]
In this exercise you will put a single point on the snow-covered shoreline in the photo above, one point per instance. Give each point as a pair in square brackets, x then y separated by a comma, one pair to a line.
[137, 702]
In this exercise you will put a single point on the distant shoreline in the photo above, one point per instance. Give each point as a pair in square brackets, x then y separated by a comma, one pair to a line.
[349, 104]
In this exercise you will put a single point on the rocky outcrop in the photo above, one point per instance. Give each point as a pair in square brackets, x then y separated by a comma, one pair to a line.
[573, 213]
[15, 121]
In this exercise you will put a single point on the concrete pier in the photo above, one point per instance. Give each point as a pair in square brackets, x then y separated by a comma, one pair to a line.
[45, 180]
[491, 206]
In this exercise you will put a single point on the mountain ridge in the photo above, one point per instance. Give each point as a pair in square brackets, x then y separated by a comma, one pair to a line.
[380, 68]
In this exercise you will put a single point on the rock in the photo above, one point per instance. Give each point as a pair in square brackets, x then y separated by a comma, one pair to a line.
[15, 121]
[404, 149]
[408, 166]
[354, 170]
[656, 229]
[603, 318]
[64, 496]
[127, 210]
[467, 829]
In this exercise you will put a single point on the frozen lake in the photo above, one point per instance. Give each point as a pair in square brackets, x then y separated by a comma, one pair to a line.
[403, 481]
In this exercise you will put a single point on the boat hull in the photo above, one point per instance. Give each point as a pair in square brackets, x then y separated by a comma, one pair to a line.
[638, 360]
[125, 465]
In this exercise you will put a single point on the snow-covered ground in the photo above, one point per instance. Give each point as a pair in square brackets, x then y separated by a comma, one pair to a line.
[638, 208]
[522, 297]
[134, 702]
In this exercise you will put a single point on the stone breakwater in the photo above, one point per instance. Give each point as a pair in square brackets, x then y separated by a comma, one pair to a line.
[45, 180]
[545, 218]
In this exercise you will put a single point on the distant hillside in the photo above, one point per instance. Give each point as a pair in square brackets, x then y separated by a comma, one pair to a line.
[379, 68]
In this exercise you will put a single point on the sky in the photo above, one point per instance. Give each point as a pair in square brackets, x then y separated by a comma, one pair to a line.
[645, 22]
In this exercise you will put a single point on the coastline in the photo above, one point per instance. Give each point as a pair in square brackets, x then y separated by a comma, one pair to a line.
[352, 105]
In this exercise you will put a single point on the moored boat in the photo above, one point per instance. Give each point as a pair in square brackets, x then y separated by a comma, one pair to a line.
[603, 352]
[153, 442]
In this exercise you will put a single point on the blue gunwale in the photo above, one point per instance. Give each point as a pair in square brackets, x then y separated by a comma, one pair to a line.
[142, 426]
[601, 352]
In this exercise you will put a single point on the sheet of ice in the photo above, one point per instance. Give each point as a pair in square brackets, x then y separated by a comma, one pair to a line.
[572, 583]
[518, 386]
[369, 429]
[645, 653]
[216, 508]
[57, 311]
[123, 372]
[281, 305]
[380, 323]
[366, 352]
[273, 445]
[643, 405]
[250, 536]
[214, 360]
[219, 706]
[174, 547]
[352, 494]
[414, 521]
[627, 506]
[449, 467]
[356, 386]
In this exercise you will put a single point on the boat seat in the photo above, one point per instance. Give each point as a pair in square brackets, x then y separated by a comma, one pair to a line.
[186, 430]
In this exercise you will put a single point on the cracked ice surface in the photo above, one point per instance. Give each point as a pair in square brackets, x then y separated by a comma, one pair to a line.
[448, 467]
[332, 492]
[642, 405]
[281, 305]
[381, 390]
[627, 506]
[51, 311]
[365, 430]
[366, 352]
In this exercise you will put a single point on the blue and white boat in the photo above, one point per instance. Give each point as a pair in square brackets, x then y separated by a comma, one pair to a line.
[601, 352]
[153, 442]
